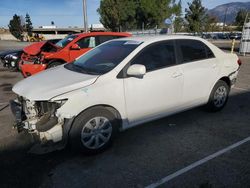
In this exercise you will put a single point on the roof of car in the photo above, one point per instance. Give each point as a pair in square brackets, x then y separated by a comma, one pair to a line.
[103, 33]
[155, 38]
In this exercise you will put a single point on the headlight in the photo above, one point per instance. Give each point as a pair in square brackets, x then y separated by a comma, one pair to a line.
[11, 56]
[49, 106]
[14, 57]
[61, 102]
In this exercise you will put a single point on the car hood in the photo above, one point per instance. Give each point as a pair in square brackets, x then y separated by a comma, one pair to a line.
[51, 83]
[36, 48]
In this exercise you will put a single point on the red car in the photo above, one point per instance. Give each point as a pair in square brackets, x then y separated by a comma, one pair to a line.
[43, 55]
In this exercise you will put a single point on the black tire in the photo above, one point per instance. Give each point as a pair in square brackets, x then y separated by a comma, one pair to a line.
[18, 68]
[217, 103]
[76, 140]
[54, 64]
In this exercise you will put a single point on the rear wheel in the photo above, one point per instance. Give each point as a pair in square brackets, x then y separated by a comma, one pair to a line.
[218, 97]
[93, 130]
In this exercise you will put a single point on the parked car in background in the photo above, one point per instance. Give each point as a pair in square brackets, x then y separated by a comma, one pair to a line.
[45, 55]
[216, 36]
[11, 58]
[206, 36]
[164, 31]
[236, 36]
[120, 84]
[223, 36]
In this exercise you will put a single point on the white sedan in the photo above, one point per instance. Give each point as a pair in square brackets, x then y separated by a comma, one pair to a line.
[120, 84]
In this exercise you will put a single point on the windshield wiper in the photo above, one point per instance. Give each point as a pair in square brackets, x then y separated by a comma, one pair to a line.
[83, 70]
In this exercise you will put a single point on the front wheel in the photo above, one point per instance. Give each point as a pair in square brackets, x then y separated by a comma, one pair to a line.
[93, 130]
[218, 97]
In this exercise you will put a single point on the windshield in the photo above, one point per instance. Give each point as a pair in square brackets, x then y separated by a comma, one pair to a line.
[62, 43]
[103, 58]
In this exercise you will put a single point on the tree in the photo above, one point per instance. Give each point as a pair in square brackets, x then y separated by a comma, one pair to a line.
[133, 14]
[211, 24]
[195, 16]
[178, 24]
[240, 18]
[28, 25]
[16, 28]
[117, 14]
[178, 21]
[152, 13]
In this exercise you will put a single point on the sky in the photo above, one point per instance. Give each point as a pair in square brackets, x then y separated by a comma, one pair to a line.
[65, 13]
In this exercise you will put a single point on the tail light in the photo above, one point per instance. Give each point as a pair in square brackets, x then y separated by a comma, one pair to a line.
[239, 62]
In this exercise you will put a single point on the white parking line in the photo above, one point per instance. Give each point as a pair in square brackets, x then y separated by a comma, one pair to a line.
[3, 106]
[197, 163]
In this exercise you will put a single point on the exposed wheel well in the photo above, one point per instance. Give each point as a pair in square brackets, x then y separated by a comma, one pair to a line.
[227, 80]
[109, 108]
[67, 129]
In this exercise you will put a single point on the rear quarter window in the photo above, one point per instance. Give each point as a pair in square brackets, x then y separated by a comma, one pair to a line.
[193, 50]
[209, 52]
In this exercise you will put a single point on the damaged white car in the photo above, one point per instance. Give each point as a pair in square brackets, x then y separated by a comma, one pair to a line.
[120, 84]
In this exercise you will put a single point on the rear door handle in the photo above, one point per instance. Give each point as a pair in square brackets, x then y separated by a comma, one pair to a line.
[176, 74]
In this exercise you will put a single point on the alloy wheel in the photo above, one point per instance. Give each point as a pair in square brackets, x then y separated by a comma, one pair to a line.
[220, 96]
[96, 132]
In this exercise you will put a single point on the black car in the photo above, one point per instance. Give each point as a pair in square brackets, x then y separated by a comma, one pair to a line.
[10, 58]
[236, 36]
[223, 36]
[217, 36]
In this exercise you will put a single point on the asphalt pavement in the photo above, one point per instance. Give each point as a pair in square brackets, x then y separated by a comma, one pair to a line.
[146, 155]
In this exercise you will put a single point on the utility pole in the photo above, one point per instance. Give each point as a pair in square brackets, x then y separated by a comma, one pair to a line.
[85, 16]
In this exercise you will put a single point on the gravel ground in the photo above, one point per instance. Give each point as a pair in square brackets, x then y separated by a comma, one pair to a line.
[141, 155]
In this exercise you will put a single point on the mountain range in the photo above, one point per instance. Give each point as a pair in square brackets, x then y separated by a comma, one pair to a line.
[230, 10]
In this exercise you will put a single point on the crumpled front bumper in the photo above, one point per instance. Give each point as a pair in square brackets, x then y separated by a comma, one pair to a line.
[53, 139]
[19, 115]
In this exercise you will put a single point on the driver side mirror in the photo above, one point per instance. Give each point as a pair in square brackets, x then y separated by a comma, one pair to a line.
[136, 70]
[75, 47]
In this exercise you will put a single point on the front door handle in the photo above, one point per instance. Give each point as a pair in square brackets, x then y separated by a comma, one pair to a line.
[176, 74]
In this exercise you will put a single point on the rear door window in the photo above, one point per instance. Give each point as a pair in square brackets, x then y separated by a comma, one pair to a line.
[192, 50]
